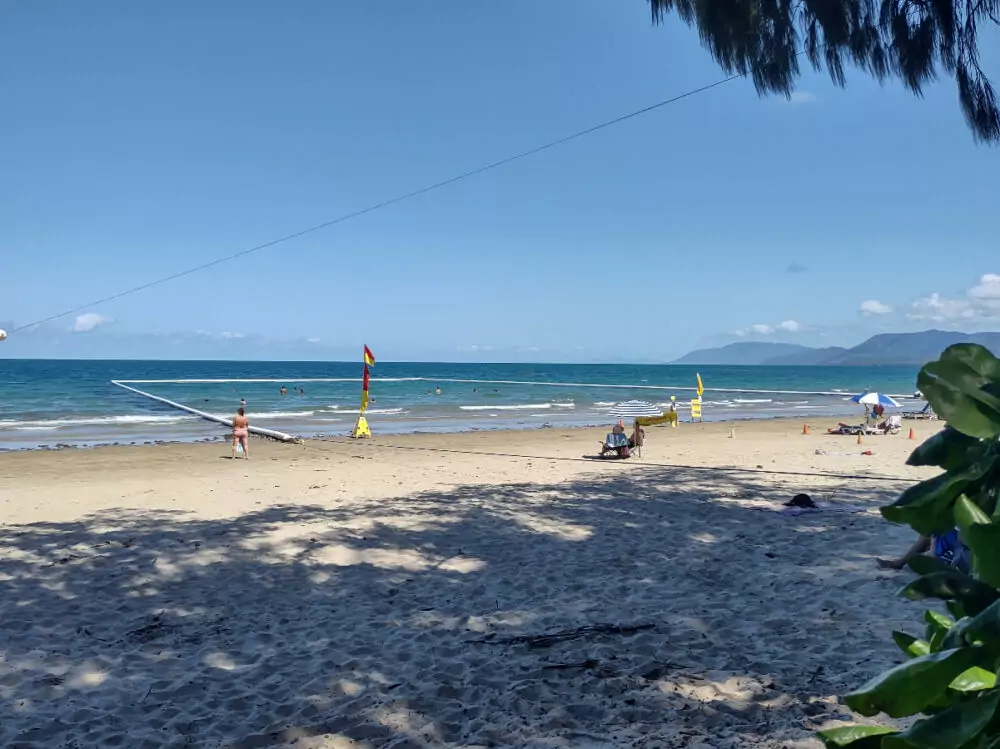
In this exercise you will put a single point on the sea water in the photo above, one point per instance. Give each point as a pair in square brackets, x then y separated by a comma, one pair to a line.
[50, 403]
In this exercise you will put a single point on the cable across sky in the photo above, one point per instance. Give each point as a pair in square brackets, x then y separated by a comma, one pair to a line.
[390, 201]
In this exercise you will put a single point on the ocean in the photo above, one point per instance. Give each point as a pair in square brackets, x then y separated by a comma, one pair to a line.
[49, 403]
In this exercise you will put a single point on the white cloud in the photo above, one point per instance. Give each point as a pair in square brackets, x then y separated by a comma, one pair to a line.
[874, 307]
[803, 97]
[790, 326]
[227, 335]
[980, 303]
[761, 329]
[987, 288]
[935, 307]
[88, 321]
[312, 340]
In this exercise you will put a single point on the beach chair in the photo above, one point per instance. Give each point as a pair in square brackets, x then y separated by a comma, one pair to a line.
[924, 413]
[615, 444]
[850, 429]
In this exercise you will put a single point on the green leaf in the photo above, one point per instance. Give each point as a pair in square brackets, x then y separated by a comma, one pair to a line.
[952, 585]
[984, 541]
[956, 609]
[938, 620]
[948, 449]
[974, 680]
[912, 646]
[911, 686]
[925, 564]
[955, 387]
[949, 729]
[967, 513]
[984, 628]
[856, 737]
[924, 506]
[982, 536]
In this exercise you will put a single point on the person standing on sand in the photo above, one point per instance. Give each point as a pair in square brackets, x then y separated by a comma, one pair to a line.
[241, 433]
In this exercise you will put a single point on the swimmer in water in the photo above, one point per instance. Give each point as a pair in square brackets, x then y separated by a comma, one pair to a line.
[437, 391]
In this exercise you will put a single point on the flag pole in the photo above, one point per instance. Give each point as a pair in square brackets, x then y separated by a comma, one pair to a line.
[361, 428]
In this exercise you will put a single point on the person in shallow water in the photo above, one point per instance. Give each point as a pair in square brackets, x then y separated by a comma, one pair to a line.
[241, 433]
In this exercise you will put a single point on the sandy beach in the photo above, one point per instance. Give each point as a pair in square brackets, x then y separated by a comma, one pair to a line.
[467, 590]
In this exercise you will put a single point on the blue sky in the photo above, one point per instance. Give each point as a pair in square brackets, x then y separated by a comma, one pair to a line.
[141, 139]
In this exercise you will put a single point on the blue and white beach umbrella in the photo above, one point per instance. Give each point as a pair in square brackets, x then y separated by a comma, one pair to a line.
[634, 409]
[871, 399]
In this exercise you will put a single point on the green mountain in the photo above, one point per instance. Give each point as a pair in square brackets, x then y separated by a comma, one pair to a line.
[749, 352]
[886, 348]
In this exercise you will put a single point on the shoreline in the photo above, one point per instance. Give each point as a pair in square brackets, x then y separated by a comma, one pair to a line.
[224, 435]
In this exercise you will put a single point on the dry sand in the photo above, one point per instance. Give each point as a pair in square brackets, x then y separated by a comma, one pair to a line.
[369, 594]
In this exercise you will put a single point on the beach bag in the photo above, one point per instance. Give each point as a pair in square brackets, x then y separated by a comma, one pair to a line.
[623, 452]
[948, 547]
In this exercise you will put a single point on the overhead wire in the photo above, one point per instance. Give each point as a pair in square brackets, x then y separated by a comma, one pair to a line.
[389, 202]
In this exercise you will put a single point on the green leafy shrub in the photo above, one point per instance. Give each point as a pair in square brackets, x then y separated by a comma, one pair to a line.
[950, 679]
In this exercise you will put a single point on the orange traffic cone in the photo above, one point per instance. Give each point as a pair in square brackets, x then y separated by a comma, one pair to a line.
[912, 435]
[805, 429]
[859, 438]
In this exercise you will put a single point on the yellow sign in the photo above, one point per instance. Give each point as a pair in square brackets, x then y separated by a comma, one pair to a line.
[696, 409]
[361, 429]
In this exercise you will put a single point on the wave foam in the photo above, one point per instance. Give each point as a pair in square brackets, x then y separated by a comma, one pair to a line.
[279, 414]
[512, 407]
[93, 421]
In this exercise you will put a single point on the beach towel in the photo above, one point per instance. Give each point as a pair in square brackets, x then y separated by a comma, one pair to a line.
[820, 507]
[615, 441]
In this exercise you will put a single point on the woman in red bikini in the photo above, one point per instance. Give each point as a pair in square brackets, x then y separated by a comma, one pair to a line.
[241, 433]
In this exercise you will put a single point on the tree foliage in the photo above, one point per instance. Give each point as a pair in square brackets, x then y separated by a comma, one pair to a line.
[950, 676]
[908, 39]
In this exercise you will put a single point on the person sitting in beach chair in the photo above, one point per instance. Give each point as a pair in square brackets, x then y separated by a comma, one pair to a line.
[892, 425]
[616, 443]
[948, 547]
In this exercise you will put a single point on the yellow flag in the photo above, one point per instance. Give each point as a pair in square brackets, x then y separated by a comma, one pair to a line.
[364, 401]
[701, 388]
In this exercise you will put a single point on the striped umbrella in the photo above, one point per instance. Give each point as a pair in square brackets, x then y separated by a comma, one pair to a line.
[871, 399]
[634, 409]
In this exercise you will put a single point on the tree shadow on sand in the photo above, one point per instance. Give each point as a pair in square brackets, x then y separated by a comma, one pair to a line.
[392, 624]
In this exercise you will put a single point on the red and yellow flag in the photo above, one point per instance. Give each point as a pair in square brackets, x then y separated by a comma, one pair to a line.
[369, 362]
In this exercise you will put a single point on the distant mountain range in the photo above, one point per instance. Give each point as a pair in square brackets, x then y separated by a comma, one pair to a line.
[885, 348]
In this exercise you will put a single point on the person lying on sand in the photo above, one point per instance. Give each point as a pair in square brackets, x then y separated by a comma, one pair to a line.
[947, 547]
